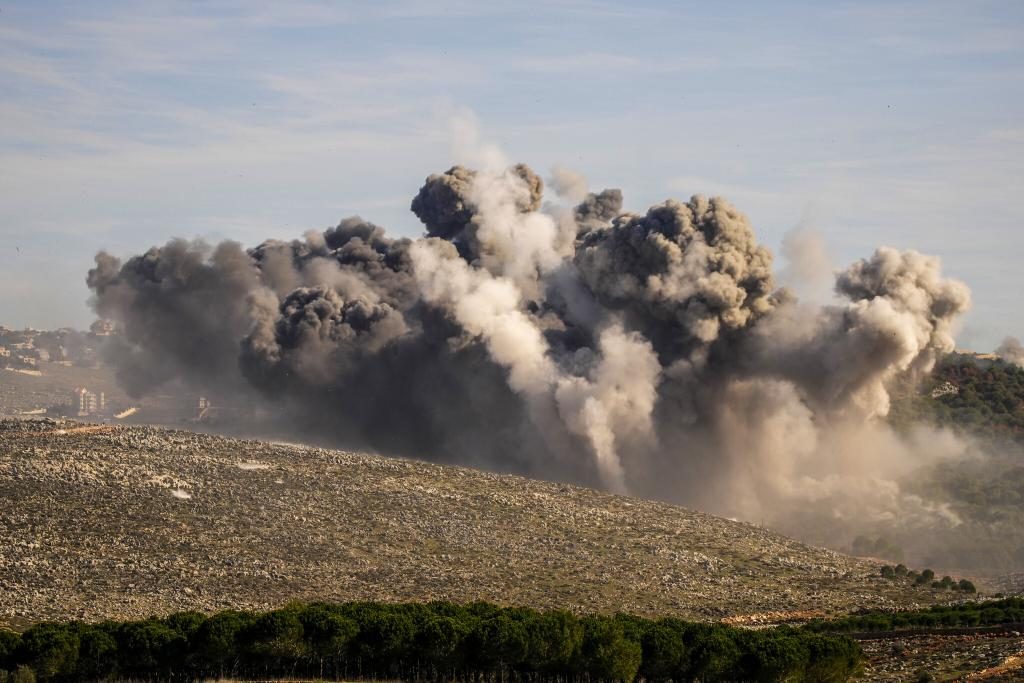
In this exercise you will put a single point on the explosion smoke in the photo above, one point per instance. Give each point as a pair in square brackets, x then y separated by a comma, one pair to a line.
[1012, 351]
[649, 353]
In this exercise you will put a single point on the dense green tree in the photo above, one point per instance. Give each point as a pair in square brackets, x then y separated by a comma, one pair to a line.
[665, 654]
[98, 654]
[555, 639]
[216, 642]
[608, 654]
[148, 646]
[499, 643]
[8, 645]
[51, 650]
[715, 654]
[186, 624]
[274, 641]
[771, 657]
[329, 634]
[386, 632]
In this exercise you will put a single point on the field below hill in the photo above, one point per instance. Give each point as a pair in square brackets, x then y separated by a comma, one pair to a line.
[107, 521]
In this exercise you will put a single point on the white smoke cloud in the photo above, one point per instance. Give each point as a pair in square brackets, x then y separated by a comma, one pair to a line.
[516, 250]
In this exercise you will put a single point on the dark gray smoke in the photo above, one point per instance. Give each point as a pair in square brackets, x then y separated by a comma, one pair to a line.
[649, 353]
[182, 310]
[446, 206]
[597, 210]
[683, 274]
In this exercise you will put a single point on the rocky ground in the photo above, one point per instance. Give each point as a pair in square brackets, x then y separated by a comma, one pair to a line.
[123, 521]
[946, 658]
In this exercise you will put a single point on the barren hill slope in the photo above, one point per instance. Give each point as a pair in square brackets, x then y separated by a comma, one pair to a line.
[108, 521]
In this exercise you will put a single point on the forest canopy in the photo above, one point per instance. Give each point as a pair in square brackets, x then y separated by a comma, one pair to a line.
[478, 641]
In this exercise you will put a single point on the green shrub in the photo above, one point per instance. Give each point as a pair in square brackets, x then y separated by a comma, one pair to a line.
[1009, 610]
[50, 649]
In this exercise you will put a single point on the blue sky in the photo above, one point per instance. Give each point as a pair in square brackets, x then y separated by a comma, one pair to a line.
[125, 123]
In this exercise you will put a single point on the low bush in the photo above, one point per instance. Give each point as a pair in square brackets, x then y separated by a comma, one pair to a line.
[993, 613]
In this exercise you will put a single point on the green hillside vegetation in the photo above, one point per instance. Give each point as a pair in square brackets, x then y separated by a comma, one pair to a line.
[983, 490]
[989, 399]
[416, 641]
[926, 578]
[982, 398]
[971, 614]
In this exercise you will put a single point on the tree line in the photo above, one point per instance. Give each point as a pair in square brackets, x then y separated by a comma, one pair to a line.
[927, 578]
[477, 642]
[987, 613]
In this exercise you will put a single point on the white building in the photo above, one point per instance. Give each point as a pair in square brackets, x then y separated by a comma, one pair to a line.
[85, 402]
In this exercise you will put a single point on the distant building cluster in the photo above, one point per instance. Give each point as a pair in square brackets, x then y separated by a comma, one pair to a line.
[18, 349]
[78, 394]
[26, 349]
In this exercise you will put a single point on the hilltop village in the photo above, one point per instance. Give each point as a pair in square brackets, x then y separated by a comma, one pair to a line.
[61, 373]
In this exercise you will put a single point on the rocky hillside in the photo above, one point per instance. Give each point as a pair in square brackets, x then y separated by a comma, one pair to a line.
[122, 521]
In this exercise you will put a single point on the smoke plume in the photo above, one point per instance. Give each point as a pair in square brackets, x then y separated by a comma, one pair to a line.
[650, 353]
[1012, 351]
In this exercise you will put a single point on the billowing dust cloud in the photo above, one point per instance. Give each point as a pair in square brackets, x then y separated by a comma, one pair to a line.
[561, 337]
[1012, 351]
